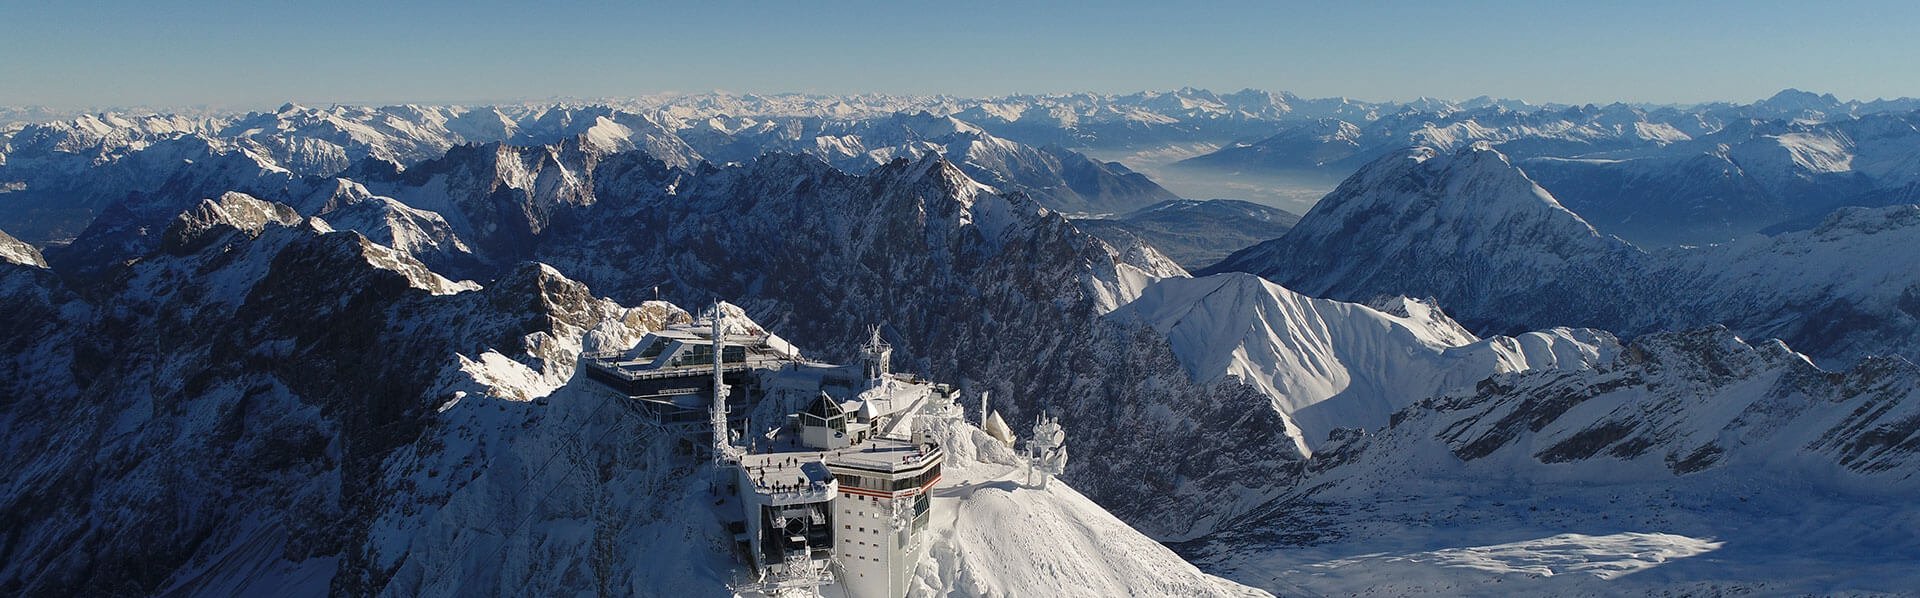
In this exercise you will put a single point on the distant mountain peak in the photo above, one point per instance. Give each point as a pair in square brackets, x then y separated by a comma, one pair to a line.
[1791, 99]
[232, 211]
[1464, 185]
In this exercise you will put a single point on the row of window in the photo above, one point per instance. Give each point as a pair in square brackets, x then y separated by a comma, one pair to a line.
[848, 480]
[703, 354]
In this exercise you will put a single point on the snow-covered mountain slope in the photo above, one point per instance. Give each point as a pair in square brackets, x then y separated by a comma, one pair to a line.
[1501, 255]
[585, 494]
[1059, 178]
[1657, 177]
[1807, 155]
[797, 208]
[1334, 147]
[1693, 462]
[1846, 289]
[422, 235]
[989, 290]
[52, 191]
[127, 227]
[62, 174]
[1330, 365]
[276, 407]
[14, 251]
[998, 534]
[241, 389]
[498, 197]
[1747, 177]
[603, 130]
[1193, 233]
[1422, 223]
[323, 141]
[42, 317]
[1313, 150]
[930, 240]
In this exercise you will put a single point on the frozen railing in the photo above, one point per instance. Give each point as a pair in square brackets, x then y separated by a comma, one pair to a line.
[620, 369]
[809, 492]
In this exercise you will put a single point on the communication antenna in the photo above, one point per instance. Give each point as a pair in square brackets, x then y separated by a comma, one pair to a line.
[717, 414]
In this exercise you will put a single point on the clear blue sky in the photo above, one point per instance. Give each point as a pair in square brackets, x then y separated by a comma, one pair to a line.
[69, 53]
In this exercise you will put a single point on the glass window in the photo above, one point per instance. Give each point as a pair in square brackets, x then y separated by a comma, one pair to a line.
[653, 350]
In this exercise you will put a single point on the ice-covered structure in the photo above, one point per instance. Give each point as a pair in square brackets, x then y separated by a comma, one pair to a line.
[826, 480]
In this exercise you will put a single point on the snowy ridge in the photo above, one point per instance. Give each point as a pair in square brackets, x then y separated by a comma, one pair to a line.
[1064, 544]
[1425, 224]
[1816, 289]
[269, 380]
[1501, 256]
[477, 541]
[1843, 153]
[103, 158]
[280, 454]
[1691, 446]
[1329, 365]
[424, 235]
[1657, 176]
[972, 285]
[1058, 178]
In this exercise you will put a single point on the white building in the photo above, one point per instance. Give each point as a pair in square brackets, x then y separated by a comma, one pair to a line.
[882, 510]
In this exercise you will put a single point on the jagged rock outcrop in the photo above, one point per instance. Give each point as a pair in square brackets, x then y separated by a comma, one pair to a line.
[231, 213]
[243, 393]
[14, 251]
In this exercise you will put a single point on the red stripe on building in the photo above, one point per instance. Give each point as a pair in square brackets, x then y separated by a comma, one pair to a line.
[878, 494]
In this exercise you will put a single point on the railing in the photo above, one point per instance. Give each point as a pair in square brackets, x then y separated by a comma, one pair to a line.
[811, 490]
[614, 369]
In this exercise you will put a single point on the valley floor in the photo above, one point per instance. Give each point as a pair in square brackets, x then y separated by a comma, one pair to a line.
[1708, 539]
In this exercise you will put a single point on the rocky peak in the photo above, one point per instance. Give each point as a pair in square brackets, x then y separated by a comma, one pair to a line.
[213, 218]
[1391, 222]
[1463, 190]
[15, 251]
[1795, 100]
[537, 288]
[1868, 221]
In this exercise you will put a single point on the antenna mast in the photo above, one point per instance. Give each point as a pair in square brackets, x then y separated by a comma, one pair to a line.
[717, 414]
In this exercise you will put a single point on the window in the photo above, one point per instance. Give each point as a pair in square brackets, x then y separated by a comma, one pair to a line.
[693, 355]
[653, 350]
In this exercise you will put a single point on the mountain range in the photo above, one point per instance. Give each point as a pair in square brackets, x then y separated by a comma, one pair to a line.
[332, 350]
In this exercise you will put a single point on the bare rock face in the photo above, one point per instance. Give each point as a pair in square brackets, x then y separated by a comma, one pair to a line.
[14, 251]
